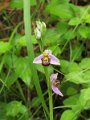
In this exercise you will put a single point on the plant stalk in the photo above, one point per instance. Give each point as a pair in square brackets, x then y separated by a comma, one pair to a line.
[27, 23]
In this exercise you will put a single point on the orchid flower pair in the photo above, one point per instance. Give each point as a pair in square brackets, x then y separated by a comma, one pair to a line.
[46, 59]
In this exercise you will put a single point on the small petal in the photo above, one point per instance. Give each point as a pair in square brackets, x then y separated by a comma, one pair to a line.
[54, 60]
[44, 25]
[56, 90]
[37, 33]
[53, 77]
[38, 60]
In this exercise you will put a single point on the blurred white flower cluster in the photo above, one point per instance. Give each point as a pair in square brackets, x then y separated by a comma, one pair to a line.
[40, 29]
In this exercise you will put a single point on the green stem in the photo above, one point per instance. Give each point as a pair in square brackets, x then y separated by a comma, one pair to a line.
[49, 92]
[48, 84]
[21, 91]
[27, 23]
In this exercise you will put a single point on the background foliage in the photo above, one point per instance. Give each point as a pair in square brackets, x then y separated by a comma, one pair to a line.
[68, 36]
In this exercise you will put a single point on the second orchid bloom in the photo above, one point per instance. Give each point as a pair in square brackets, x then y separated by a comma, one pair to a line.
[55, 84]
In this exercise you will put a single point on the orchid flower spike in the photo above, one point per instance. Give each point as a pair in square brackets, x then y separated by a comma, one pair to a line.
[46, 59]
[40, 29]
[55, 83]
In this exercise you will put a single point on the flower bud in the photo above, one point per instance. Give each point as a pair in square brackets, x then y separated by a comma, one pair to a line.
[40, 29]
[37, 33]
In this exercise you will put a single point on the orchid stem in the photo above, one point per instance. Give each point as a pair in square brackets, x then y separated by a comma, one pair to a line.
[48, 85]
[49, 92]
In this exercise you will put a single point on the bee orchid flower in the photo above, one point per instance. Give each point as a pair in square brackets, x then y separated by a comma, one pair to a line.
[46, 59]
[55, 83]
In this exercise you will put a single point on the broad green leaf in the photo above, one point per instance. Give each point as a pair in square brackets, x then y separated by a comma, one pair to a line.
[77, 52]
[68, 67]
[64, 66]
[87, 75]
[51, 37]
[22, 69]
[84, 99]
[19, 3]
[75, 21]
[10, 60]
[77, 77]
[85, 63]
[72, 100]
[4, 47]
[56, 2]
[71, 91]
[14, 108]
[21, 40]
[69, 115]
[66, 85]
[73, 67]
[62, 10]
[87, 18]
[77, 10]
[84, 31]
[10, 79]
[62, 27]
[69, 35]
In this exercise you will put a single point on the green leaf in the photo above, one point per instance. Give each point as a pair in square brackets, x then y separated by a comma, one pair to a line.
[22, 69]
[14, 108]
[72, 100]
[69, 66]
[75, 21]
[19, 3]
[62, 27]
[4, 47]
[56, 2]
[62, 10]
[77, 77]
[84, 99]
[76, 74]
[69, 35]
[64, 66]
[21, 40]
[55, 50]
[87, 18]
[85, 63]
[69, 115]
[87, 75]
[10, 79]
[78, 10]
[71, 91]
[51, 37]
[77, 52]
[73, 67]
[84, 31]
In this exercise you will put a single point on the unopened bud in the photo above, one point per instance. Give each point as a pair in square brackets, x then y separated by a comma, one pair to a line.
[40, 29]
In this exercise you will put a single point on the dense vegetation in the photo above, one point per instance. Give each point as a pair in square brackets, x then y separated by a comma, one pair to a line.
[27, 29]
